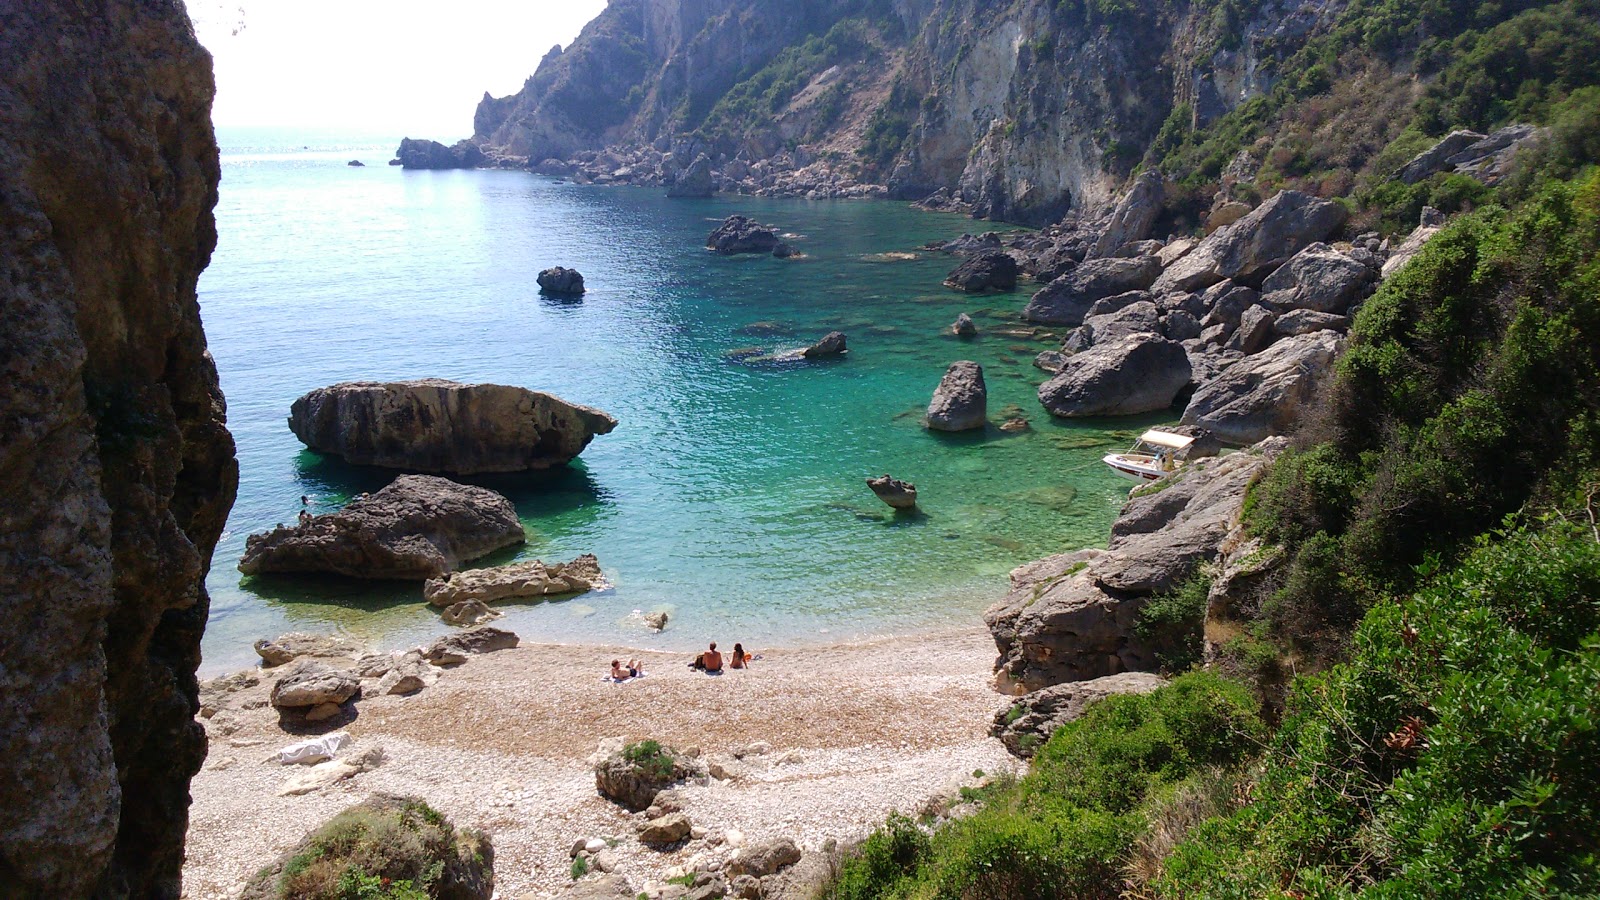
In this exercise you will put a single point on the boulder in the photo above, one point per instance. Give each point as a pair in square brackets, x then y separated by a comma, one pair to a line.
[993, 271]
[898, 494]
[1175, 250]
[656, 621]
[1226, 213]
[1431, 224]
[1490, 159]
[1108, 305]
[1434, 158]
[1068, 299]
[445, 427]
[831, 345]
[669, 829]
[468, 613]
[763, 859]
[416, 153]
[1318, 278]
[1249, 249]
[525, 579]
[1051, 361]
[418, 527]
[310, 683]
[694, 180]
[741, 234]
[1134, 214]
[961, 402]
[286, 648]
[1064, 629]
[1255, 331]
[964, 326]
[1262, 395]
[455, 649]
[635, 785]
[1180, 325]
[1225, 302]
[1136, 374]
[605, 887]
[1136, 318]
[561, 281]
[1025, 724]
[409, 674]
[1304, 321]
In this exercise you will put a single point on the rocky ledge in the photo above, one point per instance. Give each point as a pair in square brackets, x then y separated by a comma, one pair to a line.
[416, 153]
[528, 579]
[445, 427]
[418, 527]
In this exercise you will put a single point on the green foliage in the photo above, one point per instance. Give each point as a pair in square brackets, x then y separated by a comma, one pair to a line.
[650, 758]
[1170, 624]
[1457, 754]
[1068, 827]
[889, 127]
[580, 867]
[756, 99]
[380, 850]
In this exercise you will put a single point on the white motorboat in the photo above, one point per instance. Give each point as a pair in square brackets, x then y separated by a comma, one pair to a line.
[1151, 457]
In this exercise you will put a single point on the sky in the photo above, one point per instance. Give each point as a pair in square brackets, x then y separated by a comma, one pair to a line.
[376, 67]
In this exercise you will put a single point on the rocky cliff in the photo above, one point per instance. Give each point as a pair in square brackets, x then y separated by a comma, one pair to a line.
[1021, 112]
[116, 470]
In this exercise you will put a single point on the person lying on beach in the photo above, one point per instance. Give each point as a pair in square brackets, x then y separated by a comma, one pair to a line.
[739, 659]
[635, 669]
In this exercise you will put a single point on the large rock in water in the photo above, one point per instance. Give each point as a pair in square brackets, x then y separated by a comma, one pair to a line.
[1025, 724]
[694, 180]
[995, 271]
[961, 402]
[118, 469]
[1068, 299]
[445, 427]
[1262, 395]
[1252, 247]
[418, 153]
[416, 528]
[741, 234]
[1136, 374]
[561, 281]
[529, 579]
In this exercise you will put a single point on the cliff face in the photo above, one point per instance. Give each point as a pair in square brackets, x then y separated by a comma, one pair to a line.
[116, 470]
[1020, 113]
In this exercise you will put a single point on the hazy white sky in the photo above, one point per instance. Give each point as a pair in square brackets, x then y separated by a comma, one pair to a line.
[376, 66]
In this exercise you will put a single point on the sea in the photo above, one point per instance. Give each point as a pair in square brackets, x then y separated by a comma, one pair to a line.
[732, 494]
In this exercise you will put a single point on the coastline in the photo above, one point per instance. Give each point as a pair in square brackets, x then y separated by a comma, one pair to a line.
[856, 731]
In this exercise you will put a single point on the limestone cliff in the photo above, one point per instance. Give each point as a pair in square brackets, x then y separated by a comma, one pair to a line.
[116, 470]
[1021, 112]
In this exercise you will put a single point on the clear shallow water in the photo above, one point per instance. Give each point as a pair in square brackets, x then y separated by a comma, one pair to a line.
[731, 494]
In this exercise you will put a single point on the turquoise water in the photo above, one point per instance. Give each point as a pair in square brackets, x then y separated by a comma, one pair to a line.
[731, 494]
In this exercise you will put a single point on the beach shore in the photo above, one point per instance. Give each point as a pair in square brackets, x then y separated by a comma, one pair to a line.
[502, 744]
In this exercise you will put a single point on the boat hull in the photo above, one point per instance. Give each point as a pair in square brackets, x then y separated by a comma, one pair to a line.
[1134, 468]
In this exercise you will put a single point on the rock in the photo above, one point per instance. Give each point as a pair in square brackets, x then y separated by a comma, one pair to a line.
[355, 164]
[415, 153]
[444, 427]
[831, 345]
[1015, 425]
[694, 180]
[605, 887]
[329, 773]
[604, 861]
[525, 579]
[1180, 325]
[994, 271]
[454, 649]
[418, 527]
[214, 693]
[561, 281]
[670, 800]
[311, 683]
[409, 674]
[761, 860]
[1113, 304]
[1068, 299]
[1051, 361]
[898, 494]
[1136, 318]
[1490, 159]
[468, 613]
[288, 647]
[669, 829]
[1433, 159]
[1318, 278]
[1027, 723]
[964, 326]
[656, 621]
[1255, 331]
[1262, 395]
[323, 712]
[1134, 214]
[740, 234]
[1304, 321]
[745, 887]
[636, 786]
[1137, 374]
[110, 412]
[1225, 214]
[1249, 249]
[1225, 303]
[783, 251]
[1432, 223]
[961, 402]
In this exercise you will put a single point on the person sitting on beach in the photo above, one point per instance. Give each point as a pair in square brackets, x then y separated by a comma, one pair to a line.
[739, 659]
[711, 659]
[635, 669]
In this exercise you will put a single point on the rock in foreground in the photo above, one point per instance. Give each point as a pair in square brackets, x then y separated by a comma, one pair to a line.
[961, 402]
[528, 579]
[561, 281]
[455, 649]
[1025, 725]
[1262, 395]
[445, 427]
[418, 527]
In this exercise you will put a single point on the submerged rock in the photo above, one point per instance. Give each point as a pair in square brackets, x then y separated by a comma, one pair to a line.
[527, 579]
[832, 344]
[961, 402]
[741, 234]
[445, 427]
[898, 494]
[561, 281]
[418, 527]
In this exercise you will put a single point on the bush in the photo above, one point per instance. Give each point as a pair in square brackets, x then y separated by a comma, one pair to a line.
[654, 761]
[1171, 624]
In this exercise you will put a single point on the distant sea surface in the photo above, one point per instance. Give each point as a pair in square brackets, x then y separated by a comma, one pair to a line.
[731, 495]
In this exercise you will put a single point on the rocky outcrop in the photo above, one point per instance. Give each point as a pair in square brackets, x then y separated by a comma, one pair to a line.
[1137, 374]
[455, 649]
[964, 326]
[634, 782]
[1432, 223]
[445, 427]
[1433, 159]
[418, 527]
[416, 153]
[528, 579]
[694, 180]
[833, 344]
[742, 234]
[961, 402]
[118, 468]
[1318, 278]
[295, 645]
[1134, 215]
[312, 683]
[1262, 395]
[1027, 723]
[1251, 248]
[561, 281]
[1068, 299]
[984, 272]
[1484, 157]
[896, 493]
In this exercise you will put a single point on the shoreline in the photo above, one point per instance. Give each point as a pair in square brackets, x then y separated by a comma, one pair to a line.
[856, 730]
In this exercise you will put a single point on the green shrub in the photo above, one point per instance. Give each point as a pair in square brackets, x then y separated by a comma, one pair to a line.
[654, 761]
[893, 853]
[1170, 624]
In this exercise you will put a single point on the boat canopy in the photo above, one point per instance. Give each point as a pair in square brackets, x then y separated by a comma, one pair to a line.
[1166, 439]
